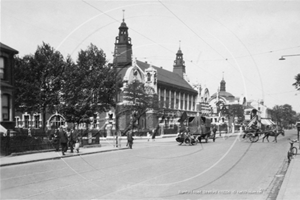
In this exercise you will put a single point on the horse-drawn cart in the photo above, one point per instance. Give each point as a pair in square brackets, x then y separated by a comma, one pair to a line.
[200, 128]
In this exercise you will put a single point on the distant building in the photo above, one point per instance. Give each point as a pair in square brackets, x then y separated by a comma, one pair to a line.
[7, 62]
[221, 103]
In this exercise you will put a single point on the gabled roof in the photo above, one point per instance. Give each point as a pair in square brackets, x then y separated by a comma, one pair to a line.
[165, 77]
[4, 47]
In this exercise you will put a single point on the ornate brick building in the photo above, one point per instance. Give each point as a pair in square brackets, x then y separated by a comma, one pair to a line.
[172, 88]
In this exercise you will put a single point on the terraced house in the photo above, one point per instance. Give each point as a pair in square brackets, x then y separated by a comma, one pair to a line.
[7, 87]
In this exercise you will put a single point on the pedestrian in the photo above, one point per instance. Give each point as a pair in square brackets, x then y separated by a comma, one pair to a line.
[77, 144]
[63, 138]
[54, 137]
[155, 131]
[130, 139]
[214, 130]
[71, 139]
[148, 136]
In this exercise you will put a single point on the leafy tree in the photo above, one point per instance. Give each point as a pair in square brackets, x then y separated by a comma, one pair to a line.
[38, 80]
[88, 85]
[297, 83]
[138, 99]
[284, 115]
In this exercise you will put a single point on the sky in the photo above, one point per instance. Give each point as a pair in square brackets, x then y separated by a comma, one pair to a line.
[241, 41]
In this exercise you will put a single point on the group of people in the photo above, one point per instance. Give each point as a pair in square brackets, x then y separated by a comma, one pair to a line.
[65, 138]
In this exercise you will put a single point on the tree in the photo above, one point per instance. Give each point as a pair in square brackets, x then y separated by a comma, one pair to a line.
[38, 81]
[138, 100]
[88, 85]
[284, 115]
[297, 83]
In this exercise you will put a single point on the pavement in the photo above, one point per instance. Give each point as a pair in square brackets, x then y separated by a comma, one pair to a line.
[106, 145]
[289, 190]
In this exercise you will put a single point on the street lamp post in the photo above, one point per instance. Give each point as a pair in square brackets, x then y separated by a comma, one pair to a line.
[282, 57]
[115, 64]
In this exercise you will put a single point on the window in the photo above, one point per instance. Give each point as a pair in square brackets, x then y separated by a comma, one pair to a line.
[167, 99]
[36, 122]
[177, 101]
[1, 67]
[162, 103]
[185, 102]
[56, 121]
[5, 107]
[181, 102]
[26, 121]
[17, 120]
[190, 102]
[148, 76]
[172, 100]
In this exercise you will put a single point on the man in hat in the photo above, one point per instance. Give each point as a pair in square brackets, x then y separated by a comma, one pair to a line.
[254, 124]
[63, 140]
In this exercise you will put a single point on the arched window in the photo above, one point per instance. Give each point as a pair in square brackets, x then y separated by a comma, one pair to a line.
[37, 121]
[5, 107]
[148, 76]
[56, 120]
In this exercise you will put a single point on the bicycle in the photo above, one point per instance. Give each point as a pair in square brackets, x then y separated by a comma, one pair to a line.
[292, 151]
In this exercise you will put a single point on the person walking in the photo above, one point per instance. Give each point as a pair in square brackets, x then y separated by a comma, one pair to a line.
[130, 139]
[71, 139]
[155, 132]
[54, 137]
[63, 138]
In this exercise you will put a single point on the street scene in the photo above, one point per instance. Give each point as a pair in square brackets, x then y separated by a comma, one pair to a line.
[157, 169]
[149, 99]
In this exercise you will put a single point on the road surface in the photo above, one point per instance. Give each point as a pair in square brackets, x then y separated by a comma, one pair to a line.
[226, 169]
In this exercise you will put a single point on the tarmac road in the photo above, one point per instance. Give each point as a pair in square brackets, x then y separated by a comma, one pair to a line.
[225, 169]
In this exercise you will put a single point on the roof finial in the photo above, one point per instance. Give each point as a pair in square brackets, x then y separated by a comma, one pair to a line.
[123, 15]
[223, 76]
[179, 44]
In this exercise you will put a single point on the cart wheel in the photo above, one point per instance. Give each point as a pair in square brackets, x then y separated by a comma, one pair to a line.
[254, 138]
[187, 141]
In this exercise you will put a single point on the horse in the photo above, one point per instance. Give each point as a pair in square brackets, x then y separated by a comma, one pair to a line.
[273, 133]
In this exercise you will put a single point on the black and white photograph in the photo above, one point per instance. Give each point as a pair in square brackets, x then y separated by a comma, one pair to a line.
[150, 99]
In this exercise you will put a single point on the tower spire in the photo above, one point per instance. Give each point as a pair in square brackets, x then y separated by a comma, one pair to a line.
[123, 46]
[179, 44]
[223, 84]
[123, 15]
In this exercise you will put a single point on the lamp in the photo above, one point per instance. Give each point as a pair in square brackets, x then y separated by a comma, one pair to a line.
[282, 57]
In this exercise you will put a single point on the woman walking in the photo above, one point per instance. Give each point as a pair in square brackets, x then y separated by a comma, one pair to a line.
[130, 139]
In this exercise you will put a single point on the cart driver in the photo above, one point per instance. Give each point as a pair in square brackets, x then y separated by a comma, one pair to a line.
[255, 122]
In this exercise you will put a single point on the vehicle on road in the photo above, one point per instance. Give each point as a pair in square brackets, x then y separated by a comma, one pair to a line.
[185, 137]
[252, 135]
[274, 133]
[201, 129]
[292, 151]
